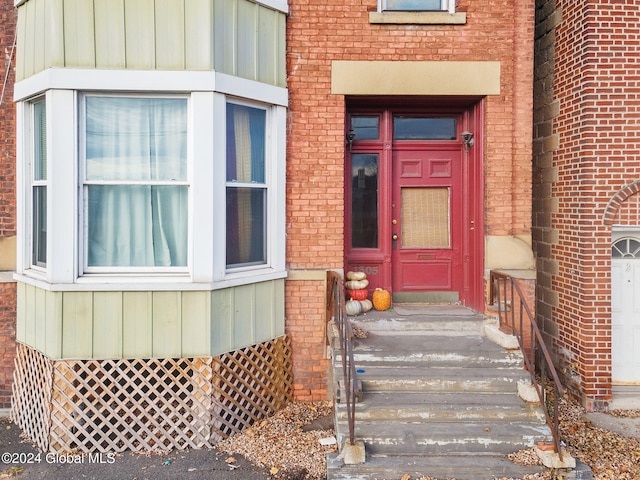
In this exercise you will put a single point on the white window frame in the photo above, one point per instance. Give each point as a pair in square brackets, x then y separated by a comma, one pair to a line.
[445, 6]
[83, 267]
[32, 182]
[207, 94]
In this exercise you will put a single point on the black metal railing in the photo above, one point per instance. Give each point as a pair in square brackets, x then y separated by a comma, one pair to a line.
[515, 314]
[350, 391]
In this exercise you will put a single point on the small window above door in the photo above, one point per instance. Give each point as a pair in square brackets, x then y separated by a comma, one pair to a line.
[424, 128]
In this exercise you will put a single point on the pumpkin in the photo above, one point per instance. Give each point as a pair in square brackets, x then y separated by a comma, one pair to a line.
[366, 305]
[356, 284]
[356, 275]
[358, 294]
[381, 299]
[353, 307]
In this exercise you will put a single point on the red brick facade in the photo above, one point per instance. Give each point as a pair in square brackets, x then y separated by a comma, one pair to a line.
[587, 158]
[322, 31]
[7, 198]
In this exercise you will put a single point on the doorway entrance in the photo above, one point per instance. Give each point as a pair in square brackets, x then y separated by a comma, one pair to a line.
[625, 309]
[414, 201]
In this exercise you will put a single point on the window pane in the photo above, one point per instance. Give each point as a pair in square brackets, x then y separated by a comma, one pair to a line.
[425, 217]
[424, 128]
[246, 137]
[39, 226]
[136, 139]
[365, 128]
[137, 226]
[364, 201]
[414, 5]
[39, 141]
[246, 224]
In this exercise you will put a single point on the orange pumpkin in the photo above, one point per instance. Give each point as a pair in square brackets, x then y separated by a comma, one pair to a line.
[381, 299]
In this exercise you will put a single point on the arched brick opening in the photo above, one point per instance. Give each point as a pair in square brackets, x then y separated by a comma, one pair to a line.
[613, 210]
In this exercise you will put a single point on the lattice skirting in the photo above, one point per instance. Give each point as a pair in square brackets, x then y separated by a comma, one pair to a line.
[147, 404]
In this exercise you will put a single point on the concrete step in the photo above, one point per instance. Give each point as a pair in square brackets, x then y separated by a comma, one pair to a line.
[442, 407]
[435, 350]
[439, 379]
[450, 466]
[447, 438]
[443, 324]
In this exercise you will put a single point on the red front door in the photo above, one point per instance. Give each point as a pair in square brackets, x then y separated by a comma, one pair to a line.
[426, 230]
[414, 203]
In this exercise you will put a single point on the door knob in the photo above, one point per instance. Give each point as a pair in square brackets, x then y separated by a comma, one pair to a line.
[394, 237]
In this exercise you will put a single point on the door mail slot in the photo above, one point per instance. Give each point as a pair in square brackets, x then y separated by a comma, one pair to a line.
[426, 256]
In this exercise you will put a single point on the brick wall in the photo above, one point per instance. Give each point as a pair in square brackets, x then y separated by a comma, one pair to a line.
[587, 148]
[7, 197]
[320, 31]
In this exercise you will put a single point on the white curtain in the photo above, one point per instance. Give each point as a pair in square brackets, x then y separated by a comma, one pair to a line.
[135, 170]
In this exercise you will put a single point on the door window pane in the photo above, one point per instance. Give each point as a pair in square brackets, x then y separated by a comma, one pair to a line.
[364, 200]
[366, 128]
[424, 128]
[135, 191]
[246, 186]
[425, 217]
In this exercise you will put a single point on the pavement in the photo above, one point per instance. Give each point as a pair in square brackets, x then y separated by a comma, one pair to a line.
[629, 427]
[20, 459]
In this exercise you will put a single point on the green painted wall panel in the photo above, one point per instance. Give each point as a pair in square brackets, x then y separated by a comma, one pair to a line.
[167, 328]
[79, 40]
[40, 319]
[221, 321]
[267, 63]
[137, 325]
[244, 315]
[109, 34]
[170, 34]
[107, 324]
[196, 324]
[140, 34]
[199, 38]
[53, 330]
[149, 324]
[247, 43]
[237, 37]
[225, 47]
[77, 328]
[22, 312]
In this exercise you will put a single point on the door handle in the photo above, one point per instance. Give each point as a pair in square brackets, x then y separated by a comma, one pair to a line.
[394, 237]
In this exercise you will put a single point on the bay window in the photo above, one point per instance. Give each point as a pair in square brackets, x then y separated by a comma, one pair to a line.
[153, 189]
[135, 185]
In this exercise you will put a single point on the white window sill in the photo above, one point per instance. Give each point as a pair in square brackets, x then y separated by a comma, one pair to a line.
[419, 18]
[119, 283]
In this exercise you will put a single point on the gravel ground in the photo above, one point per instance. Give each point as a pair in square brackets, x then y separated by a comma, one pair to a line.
[293, 444]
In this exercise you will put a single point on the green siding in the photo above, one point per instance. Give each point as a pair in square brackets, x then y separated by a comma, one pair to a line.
[86, 325]
[237, 37]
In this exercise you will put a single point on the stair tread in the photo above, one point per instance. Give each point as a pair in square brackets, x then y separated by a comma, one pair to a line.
[461, 467]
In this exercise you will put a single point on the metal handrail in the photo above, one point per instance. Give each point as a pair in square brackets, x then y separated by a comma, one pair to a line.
[512, 312]
[350, 379]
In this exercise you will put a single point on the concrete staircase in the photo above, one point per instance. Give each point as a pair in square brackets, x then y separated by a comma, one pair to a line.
[439, 399]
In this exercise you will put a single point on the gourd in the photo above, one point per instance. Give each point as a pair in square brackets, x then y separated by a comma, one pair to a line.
[358, 294]
[353, 308]
[356, 284]
[356, 275]
[381, 299]
[366, 305]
